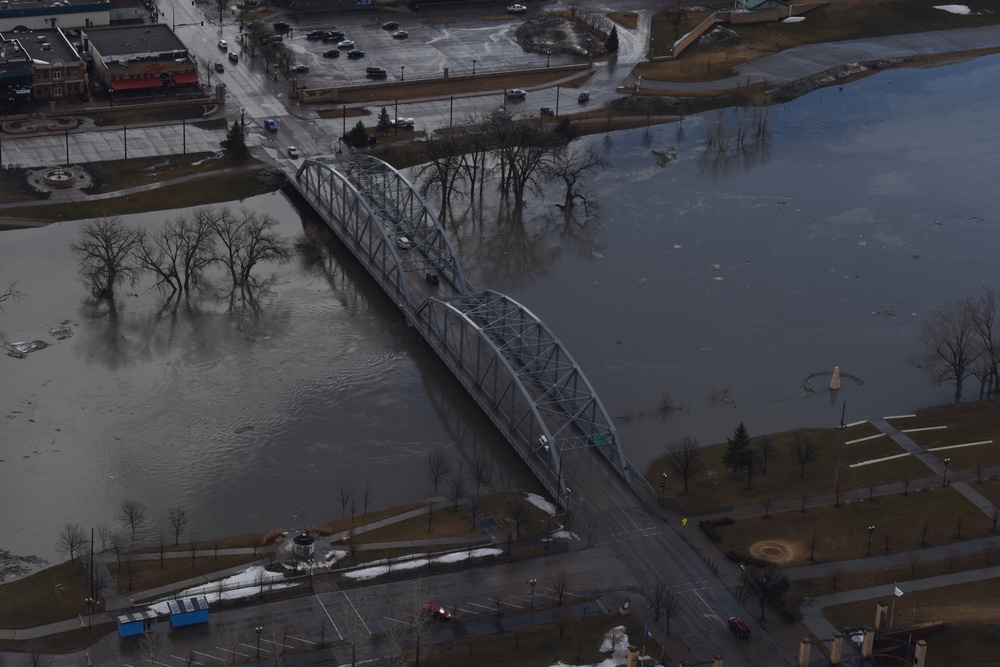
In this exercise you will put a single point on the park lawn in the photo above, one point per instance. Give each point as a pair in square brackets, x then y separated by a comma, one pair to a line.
[628, 20]
[345, 523]
[889, 577]
[967, 422]
[969, 611]
[444, 522]
[48, 596]
[843, 531]
[716, 487]
[990, 488]
[150, 575]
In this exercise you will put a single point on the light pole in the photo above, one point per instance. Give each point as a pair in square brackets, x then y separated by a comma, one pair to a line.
[90, 609]
[258, 630]
[532, 582]
[473, 65]
[944, 480]
[548, 55]
[311, 564]
[402, 72]
[243, 124]
[871, 536]
[663, 486]
[569, 499]
[743, 577]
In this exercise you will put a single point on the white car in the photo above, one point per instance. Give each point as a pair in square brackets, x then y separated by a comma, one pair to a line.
[293, 151]
[346, 44]
[402, 122]
[223, 45]
[516, 9]
[404, 243]
[516, 94]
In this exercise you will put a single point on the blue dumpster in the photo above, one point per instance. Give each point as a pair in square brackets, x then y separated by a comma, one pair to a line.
[188, 611]
[136, 622]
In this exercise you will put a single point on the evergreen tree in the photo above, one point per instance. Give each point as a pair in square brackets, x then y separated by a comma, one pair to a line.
[736, 452]
[357, 135]
[612, 44]
[384, 124]
[236, 144]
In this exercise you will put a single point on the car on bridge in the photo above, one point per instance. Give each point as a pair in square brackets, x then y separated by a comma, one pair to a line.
[431, 278]
[516, 9]
[293, 152]
[404, 243]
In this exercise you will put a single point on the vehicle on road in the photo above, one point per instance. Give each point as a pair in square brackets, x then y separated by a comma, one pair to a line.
[270, 125]
[333, 36]
[404, 243]
[293, 151]
[376, 73]
[233, 57]
[583, 97]
[516, 94]
[516, 9]
[315, 34]
[431, 278]
[281, 26]
[219, 67]
[354, 55]
[402, 122]
[436, 612]
[390, 25]
[739, 628]
[331, 53]
[300, 68]
[547, 111]
[400, 34]
[223, 45]
[346, 44]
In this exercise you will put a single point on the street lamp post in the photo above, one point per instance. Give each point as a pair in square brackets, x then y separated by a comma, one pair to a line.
[402, 72]
[743, 578]
[473, 65]
[311, 563]
[532, 582]
[569, 499]
[944, 480]
[90, 610]
[548, 55]
[871, 537]
[258, 630]
[663, 486]
[243, 124]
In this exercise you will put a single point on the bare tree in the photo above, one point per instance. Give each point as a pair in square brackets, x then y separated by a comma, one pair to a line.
[178, 519]
[118, 543]
[872, 488]
[570, 164]
[671, 606]
[152, 647]
[517, 512]
[441, 157]
[767, 452]
[995, 516]
[72, 539]
[10, 294]
[561, 585]
[132, 514]
[986, 321]
[767, 506]
[344, 493]
[480, 469]
[106, 249]
[959, 522]
[474, 505]
[684, 457]
[229, 640]
[161, 547]
[524, 150]
[923, 530]
[193, 549]
[354, 630]
[804, 450]
[805, 497]
[913, 559]
[751, 464]
[766, 584]
[367, 493]
[834, 573]
[438, 466]
[907, 483]
[247, 239]
[180, 252]
[132, 567]
[887, 537]
[456, 488]
[814, 543]
[950, 344]
[562, 618]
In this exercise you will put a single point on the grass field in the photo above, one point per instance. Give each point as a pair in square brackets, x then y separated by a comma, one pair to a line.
[965, 423]
[908, 522]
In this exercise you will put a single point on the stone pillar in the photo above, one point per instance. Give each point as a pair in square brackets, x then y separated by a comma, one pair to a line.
[631, 656]
[220, 95]
[866, 643]
[881, 607]
[805, 647]
[445, 72]
[837, 648]
[920, 655]
[835, 381]
[716, 661]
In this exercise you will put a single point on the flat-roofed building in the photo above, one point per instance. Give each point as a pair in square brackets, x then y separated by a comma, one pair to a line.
[16, 73]
[139, 58]
[58, 69]
[25, 15]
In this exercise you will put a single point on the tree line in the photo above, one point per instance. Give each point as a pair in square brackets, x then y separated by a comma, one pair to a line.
[112, 254]
[961, 341]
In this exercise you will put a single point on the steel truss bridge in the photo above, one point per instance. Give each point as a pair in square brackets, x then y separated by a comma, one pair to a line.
[513, 365]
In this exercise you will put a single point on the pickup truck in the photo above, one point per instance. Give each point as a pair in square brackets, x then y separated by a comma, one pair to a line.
[402, 122]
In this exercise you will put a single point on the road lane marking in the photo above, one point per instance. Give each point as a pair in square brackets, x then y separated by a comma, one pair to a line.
[330, 618]
[356, 612]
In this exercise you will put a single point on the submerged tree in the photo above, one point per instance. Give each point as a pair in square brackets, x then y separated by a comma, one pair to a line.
[950, 346]
[247, 239]
[570, 165]
[106, 249]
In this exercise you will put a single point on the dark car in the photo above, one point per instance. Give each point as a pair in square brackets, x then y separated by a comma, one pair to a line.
[376, 73]
[219, 67]
[332, 53]
[583, 97]
[431, 278]
[354, 55]
[739, 628]
[390, 25]
[315, 34]
[547, 111]
[281, 26]
[333, 36]
[300, 69]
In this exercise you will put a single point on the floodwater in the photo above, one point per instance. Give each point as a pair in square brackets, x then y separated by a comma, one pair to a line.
[716, 282]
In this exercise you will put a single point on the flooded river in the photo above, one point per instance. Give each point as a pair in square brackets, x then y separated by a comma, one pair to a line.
[716, 282]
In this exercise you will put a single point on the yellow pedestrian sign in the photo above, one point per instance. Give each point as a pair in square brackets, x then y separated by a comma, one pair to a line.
[684, 521]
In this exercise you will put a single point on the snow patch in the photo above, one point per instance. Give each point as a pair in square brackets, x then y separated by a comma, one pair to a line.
[616, 643]
[954, 9]
[385, 567]
[541, 503]
[240, 585]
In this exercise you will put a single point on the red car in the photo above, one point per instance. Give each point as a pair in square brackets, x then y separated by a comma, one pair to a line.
[739, 628]
[436, 612]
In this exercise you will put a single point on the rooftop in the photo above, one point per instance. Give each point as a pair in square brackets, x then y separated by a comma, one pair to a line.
[150, 39]
[47, 46]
